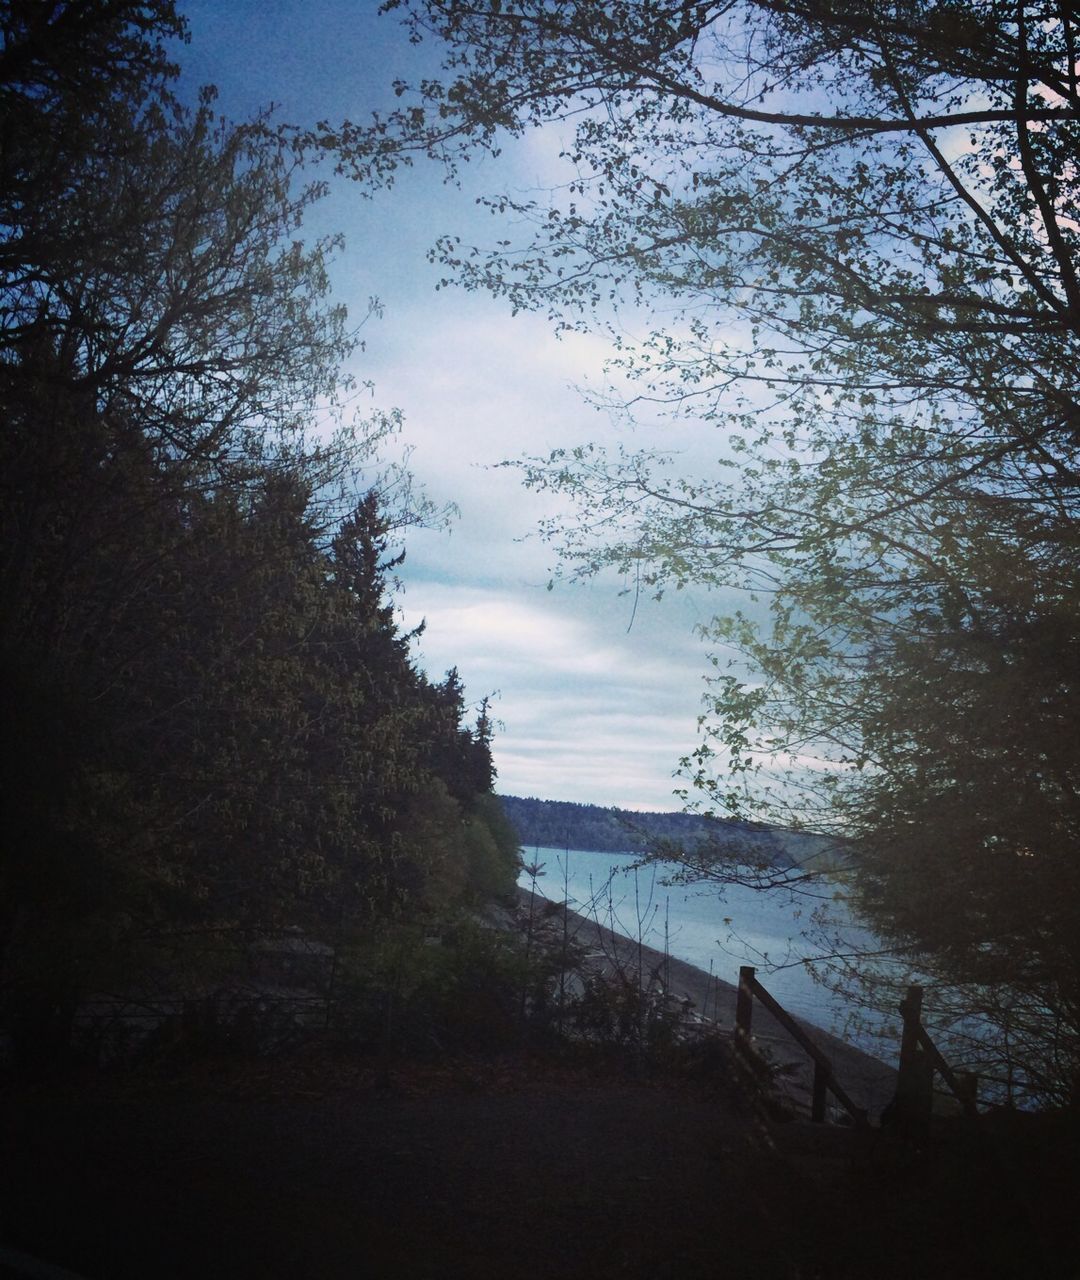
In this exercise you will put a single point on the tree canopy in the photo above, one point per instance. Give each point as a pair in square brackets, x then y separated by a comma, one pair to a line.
[215, 725]
[855, 227]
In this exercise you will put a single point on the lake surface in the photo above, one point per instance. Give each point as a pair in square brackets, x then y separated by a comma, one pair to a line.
[695, 924]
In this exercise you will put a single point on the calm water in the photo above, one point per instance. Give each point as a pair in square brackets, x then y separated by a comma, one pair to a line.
[745, 927]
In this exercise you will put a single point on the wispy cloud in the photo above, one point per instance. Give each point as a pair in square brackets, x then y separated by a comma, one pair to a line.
[587, 712]
[590, 712]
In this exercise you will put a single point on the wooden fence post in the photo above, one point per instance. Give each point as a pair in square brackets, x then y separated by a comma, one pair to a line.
[911, 1012]
[967, 1083]
[915, 1081]
[744, 1007]
[819, 1099]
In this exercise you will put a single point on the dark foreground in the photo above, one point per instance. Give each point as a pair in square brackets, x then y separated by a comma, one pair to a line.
[511, 1168]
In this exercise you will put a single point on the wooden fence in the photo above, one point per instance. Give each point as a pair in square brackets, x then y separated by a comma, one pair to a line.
[825, 1081]
[920, 1059]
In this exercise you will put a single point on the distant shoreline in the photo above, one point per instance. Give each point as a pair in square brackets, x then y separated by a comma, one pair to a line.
[590, 828]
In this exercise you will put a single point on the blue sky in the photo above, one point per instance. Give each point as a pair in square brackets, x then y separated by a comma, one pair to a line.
[591, 709]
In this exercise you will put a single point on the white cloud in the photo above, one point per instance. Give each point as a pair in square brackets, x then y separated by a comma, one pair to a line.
[587, 712]
[591, 713]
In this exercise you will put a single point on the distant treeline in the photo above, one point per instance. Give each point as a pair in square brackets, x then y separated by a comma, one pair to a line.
[561, 824]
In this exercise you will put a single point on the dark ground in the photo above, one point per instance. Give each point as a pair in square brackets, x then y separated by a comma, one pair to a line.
[323, 1165]
[510, 1167]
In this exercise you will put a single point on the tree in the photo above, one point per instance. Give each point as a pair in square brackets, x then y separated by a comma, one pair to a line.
[967, 835]
[166, 343]
[857, 224]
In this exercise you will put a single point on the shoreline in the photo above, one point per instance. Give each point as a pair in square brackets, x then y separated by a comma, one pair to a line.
[870, 1081]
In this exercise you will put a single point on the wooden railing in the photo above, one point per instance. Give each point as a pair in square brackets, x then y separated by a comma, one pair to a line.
[825, 1081]
[919, 1060]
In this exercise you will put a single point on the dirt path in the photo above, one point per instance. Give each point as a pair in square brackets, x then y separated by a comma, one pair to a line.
[317, 1168]
[498, 1169]
[556, 1177]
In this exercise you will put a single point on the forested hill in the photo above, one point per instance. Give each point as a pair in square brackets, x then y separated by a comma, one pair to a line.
[224, 737]
[562, 824]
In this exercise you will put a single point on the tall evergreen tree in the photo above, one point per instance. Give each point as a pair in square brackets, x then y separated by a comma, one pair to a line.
[214, 724]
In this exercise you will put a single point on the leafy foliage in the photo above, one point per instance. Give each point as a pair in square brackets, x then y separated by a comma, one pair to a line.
[215, 726]
[856, 227]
